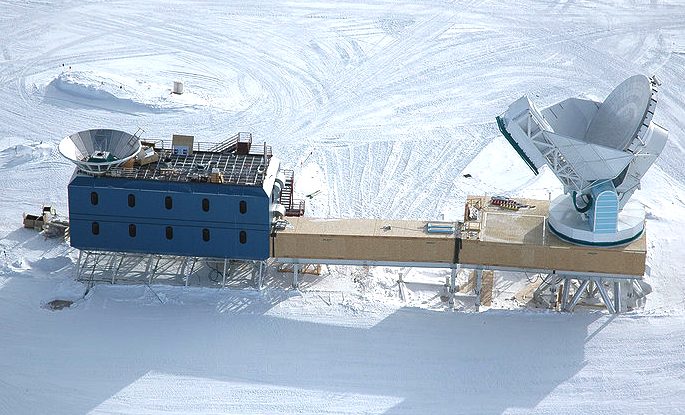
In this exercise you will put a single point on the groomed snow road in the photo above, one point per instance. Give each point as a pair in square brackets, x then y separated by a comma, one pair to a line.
[382, 107]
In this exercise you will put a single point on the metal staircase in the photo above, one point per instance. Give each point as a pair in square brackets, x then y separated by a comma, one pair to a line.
[293, 207]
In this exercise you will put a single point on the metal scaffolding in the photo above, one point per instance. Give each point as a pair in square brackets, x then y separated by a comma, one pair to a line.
[565, 292]
[559, 291]
[94, 267]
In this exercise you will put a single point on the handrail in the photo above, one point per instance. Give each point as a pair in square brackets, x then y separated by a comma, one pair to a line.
[224, 145]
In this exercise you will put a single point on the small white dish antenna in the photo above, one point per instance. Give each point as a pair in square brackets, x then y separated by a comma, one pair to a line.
[96, 151]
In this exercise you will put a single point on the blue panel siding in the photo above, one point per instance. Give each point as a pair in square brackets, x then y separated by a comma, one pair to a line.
[187, 218]
[185, 206]
[224, 200]
[187, 240]
[604, 213]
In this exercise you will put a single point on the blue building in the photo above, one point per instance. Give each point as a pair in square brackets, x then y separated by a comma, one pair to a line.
[219, 202]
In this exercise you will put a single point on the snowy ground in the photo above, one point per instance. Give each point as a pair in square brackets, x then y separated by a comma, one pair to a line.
[379, 106]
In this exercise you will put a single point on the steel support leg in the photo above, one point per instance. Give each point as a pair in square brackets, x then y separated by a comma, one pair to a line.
[148, 266]
[260, 275]
[296, 269]
[453, 285]
[591, 289]
[479, 286]
[96, 261]
[78, 265]
[192, 267]
[453, 279]
[549, 282]
[116, 271]
[564, 293]
[617, 296]
[605, 297]
[182, 270]
[223, 282]
[578, 295]
[254, 274]
[154, 270]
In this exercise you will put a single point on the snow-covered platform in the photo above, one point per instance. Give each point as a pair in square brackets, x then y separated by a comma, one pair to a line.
[499, 238]
[490, 237]
[364, 242]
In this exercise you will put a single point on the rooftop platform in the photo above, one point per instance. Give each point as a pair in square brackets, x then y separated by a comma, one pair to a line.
[207, 162]
[490, 237]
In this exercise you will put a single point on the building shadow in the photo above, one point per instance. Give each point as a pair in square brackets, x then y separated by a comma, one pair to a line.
[120, 345]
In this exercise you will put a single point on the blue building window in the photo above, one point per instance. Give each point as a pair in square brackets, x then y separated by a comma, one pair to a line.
[169, 232]
[243, 207]
[131, 200]
[95, 228]
[168, 203]
[132, 230]
[94, 198]
[243, 237]
[205, 235]
[205, 205]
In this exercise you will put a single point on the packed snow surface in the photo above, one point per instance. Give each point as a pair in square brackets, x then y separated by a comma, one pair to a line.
[381, 108]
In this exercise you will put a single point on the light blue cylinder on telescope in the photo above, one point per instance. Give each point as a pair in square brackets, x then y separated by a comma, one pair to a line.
[603, 214]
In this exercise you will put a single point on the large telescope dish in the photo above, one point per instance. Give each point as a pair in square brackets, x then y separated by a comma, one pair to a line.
[96, 151]
[623, 112]
[598, 151]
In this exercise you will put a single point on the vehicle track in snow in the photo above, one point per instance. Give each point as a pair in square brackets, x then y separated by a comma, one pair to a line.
[393, 100]
[351, 84]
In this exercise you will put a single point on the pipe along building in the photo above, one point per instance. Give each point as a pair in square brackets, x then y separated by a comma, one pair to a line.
[142, 209]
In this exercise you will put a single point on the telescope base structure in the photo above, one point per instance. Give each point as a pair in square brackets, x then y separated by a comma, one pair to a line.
[566, 223]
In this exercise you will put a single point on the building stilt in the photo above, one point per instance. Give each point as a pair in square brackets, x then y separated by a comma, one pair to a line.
[296, 283]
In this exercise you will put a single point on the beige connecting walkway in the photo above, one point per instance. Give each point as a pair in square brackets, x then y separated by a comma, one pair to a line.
[490, 237]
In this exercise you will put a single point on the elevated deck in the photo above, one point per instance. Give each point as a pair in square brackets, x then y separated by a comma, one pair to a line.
[245, 170]
[222, 162]
[362, 240]
[496, 237]
[490, 237]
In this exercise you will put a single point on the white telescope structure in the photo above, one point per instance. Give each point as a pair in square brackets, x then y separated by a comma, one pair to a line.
[97, 151]
[599, 151]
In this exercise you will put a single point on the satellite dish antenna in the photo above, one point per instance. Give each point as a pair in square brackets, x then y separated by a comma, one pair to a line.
[599, 151]
[96, 151]
[623, 112]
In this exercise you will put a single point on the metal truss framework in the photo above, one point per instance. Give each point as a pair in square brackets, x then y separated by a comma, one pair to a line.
[122, 267]
[586, 286]
[534, 127]
[563, 291]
